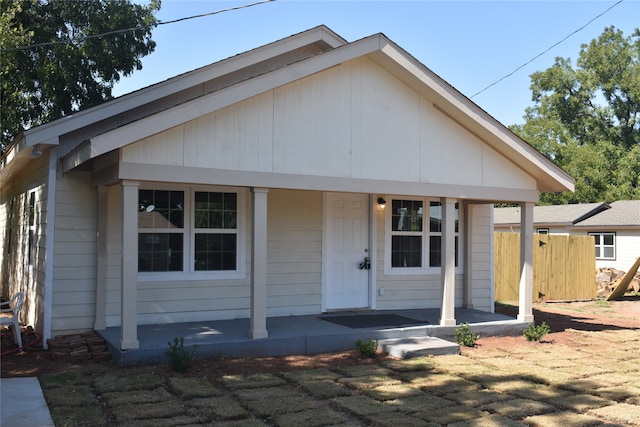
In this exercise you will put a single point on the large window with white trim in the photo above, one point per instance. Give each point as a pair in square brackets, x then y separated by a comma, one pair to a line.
[190, 231]
[414, 230]
[605, 245]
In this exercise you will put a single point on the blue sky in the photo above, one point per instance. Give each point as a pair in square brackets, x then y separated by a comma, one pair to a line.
[470, 44]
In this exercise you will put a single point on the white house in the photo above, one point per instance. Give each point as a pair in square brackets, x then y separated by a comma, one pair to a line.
[615, 227]
[306, 176]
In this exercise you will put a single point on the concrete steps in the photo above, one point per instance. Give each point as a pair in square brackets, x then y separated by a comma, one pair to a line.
[406, 348]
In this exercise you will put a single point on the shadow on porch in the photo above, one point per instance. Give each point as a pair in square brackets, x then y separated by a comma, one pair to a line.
[289, 335]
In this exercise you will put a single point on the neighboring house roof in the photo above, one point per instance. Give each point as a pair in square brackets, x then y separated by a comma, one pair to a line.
[102, 129]
[623, 213]
[548, 215]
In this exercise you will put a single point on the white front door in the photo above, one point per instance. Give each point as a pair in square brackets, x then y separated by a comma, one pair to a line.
[346, 284]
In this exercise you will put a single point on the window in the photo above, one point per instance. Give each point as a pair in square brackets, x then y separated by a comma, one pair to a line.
[413, 244]
[32, 229]
[542, 231]
[190, 231]
[605, 245]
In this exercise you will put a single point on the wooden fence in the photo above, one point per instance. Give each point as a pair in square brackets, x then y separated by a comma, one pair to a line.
[564, 267]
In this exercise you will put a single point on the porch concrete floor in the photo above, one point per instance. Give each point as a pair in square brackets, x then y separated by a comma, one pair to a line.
[295, 334]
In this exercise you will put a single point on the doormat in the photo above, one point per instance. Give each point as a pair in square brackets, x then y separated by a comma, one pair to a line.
[356, 321]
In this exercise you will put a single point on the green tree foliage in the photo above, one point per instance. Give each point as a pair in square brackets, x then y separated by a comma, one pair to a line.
[70, 61]
[587, 119]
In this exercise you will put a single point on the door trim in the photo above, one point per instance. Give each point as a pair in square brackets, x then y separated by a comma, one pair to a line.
[371, 277]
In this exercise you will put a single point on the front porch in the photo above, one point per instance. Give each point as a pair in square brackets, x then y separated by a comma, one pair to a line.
[296, 334]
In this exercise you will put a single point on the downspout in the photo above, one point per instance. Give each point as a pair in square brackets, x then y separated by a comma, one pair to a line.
[50, 233]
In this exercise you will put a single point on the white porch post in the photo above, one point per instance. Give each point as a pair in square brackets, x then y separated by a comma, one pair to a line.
[468, 259]
[101, 268]
[447, 310]
[129, 290]
[258, 263]
[525, 313]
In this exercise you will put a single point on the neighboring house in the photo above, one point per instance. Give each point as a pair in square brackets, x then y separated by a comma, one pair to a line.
[258, 186]
[615, 227]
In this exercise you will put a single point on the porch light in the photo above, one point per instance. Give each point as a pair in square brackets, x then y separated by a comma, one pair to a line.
[36, 153]
[381, 202]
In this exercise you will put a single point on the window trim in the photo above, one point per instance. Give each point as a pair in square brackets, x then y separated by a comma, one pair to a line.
[426, 234]
[189, 231]
[542, 231]
[603, 246]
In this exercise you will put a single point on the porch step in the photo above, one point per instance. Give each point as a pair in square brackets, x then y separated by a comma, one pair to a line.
[406, 348]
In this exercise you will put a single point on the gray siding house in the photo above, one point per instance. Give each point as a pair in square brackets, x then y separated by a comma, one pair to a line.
[306, 176]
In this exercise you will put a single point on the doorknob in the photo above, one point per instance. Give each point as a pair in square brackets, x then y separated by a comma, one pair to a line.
[366, 264]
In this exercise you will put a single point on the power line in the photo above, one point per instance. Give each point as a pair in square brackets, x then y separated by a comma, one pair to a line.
[542, 53]
[126, 30]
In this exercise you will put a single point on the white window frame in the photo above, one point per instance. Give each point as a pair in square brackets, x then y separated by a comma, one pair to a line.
[426, 233]
[189, 231]
[542, 231]
[602, 246]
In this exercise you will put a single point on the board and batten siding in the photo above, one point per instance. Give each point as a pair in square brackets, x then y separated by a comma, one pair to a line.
[355, 120]
[74, 268]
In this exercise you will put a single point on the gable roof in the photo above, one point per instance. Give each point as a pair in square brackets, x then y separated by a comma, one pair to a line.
[550, 215]
[623, 213]
[114, 124]
[620, 214]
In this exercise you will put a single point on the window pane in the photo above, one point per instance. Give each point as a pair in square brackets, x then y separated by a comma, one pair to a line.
[597, 238]
[160, 252]
[608, 252]
[608, 239]
[160, 209]
[406, 215]
[435, 251]
[597, 251]
[215, 252]
[406, 251]
[435, 217]
[216, 210]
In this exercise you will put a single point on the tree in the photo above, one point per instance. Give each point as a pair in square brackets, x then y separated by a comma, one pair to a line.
[59, 56]
[587, 119]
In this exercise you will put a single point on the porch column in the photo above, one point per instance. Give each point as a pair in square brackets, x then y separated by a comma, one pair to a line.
[258, 263]
[448, 262]
[101, 267]
[468, 259]
[525, 313]
[129, 290]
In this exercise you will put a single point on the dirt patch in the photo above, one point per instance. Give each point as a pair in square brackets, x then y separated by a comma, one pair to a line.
[562, 317]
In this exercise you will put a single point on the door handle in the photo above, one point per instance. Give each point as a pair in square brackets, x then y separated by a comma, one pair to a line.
[366, 264]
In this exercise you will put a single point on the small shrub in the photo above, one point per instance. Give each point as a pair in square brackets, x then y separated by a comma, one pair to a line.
[535, 333]
[465, 336]
[367, 348]
[179, 358]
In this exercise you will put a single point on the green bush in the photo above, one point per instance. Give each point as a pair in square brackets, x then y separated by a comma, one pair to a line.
[367, 348]
[179, 358]
[465, 336]
[535, 333]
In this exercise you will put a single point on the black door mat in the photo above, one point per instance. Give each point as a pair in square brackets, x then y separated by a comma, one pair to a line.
[357, 321]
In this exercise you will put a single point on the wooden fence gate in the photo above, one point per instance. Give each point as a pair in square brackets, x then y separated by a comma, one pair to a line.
[564, 267]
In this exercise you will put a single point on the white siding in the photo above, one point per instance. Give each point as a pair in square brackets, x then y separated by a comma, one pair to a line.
[482, 255]
[74, 268]
[354, 120]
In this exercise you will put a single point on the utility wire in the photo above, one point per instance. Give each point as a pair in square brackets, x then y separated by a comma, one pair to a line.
[540, 54]
[126, 30]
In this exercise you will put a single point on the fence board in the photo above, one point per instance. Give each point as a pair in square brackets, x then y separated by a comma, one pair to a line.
[564, 267]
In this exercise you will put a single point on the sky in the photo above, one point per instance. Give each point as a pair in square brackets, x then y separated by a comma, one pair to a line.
[470, 44]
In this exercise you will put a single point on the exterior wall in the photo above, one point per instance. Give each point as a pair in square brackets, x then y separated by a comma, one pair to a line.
[482, 257]
[22, 263]
[74, 269]
[344, 122]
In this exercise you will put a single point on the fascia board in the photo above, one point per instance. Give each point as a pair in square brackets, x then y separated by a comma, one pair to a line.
[451, 102]
[214, 101]
[48, 133]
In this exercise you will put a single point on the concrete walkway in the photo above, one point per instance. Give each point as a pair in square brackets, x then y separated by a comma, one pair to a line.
[22, 403]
